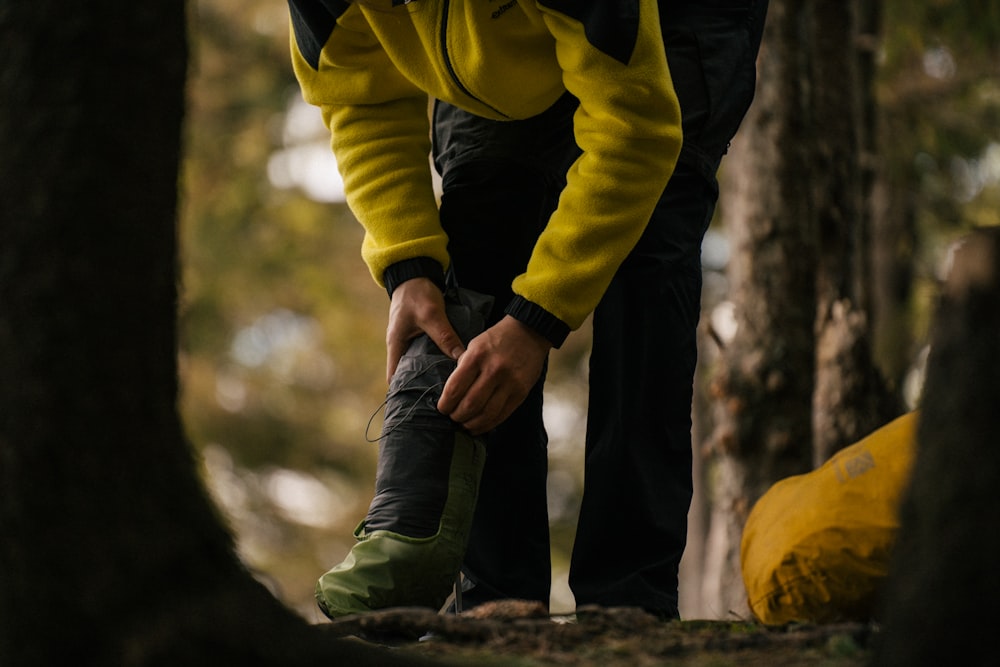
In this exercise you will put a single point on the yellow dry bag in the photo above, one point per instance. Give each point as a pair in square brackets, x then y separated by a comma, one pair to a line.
[816, 547]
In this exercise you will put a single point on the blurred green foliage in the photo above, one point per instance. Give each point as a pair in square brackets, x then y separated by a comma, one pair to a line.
[282, 328]
[939, 94]
[280, 322]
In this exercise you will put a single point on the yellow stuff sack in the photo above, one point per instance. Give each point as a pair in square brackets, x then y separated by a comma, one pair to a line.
[817, 546]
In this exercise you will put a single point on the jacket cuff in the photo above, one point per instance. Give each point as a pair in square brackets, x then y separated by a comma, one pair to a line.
[542, 321]
[418, 267]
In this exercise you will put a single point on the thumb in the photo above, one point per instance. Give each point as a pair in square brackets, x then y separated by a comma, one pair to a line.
[445, 337]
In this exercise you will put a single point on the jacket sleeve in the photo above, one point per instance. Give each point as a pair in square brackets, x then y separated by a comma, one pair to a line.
[380, 135]
[628, 126]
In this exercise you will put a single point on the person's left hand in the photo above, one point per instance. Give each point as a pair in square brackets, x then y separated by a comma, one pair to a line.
[494, 375]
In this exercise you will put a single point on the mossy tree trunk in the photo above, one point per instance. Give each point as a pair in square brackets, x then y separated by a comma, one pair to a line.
[110, 551]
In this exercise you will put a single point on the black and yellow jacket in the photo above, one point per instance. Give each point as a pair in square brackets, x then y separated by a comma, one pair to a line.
[370, 65]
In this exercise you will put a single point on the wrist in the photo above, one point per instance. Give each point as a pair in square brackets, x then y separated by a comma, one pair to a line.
[538, 320]
[417, 267]
[536, 339]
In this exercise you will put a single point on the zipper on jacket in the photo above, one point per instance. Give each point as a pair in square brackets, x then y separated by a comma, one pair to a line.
[450, 67]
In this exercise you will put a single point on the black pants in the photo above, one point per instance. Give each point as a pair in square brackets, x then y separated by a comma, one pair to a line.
[501, 181]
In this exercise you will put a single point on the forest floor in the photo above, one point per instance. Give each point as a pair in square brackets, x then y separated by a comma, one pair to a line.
[522, 636]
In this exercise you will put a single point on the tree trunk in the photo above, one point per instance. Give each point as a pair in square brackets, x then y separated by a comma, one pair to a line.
[894, 238]
[763, 387]
[850, 399]
[944, 577]
[110, 551]
[893, 257]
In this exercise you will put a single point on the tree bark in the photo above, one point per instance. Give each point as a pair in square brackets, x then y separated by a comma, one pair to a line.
[110, 551]
[944, 568]
[763, 387]
[850, 399]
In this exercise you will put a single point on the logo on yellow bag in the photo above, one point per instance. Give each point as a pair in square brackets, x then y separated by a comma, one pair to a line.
[855, 466]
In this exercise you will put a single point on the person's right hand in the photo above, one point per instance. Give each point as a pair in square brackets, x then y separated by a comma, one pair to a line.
[418, 307]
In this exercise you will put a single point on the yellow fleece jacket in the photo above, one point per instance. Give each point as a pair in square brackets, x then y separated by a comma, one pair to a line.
[371, 65]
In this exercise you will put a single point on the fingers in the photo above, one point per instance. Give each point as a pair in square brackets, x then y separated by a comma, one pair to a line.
[444, 336]
[398, 334]
[418, 307]
[493, 376]
[477, 399]
[394, 352]
[495, 413]
[491, 379]
[468, 389]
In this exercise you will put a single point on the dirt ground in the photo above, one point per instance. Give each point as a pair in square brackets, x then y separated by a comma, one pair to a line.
[523, 636]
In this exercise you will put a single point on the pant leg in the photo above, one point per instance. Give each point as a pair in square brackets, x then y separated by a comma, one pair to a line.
[633, 520]
[501, 182]
[508, 551]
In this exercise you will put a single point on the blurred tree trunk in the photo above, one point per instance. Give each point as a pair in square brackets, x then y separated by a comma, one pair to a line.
[850, 398]
[944, 568]
[763, 385]
[896, 194]
[110, 551]
[894, 252]
[798, 381]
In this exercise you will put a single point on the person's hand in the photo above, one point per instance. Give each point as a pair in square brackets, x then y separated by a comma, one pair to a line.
[418, 307]
[494, 375]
